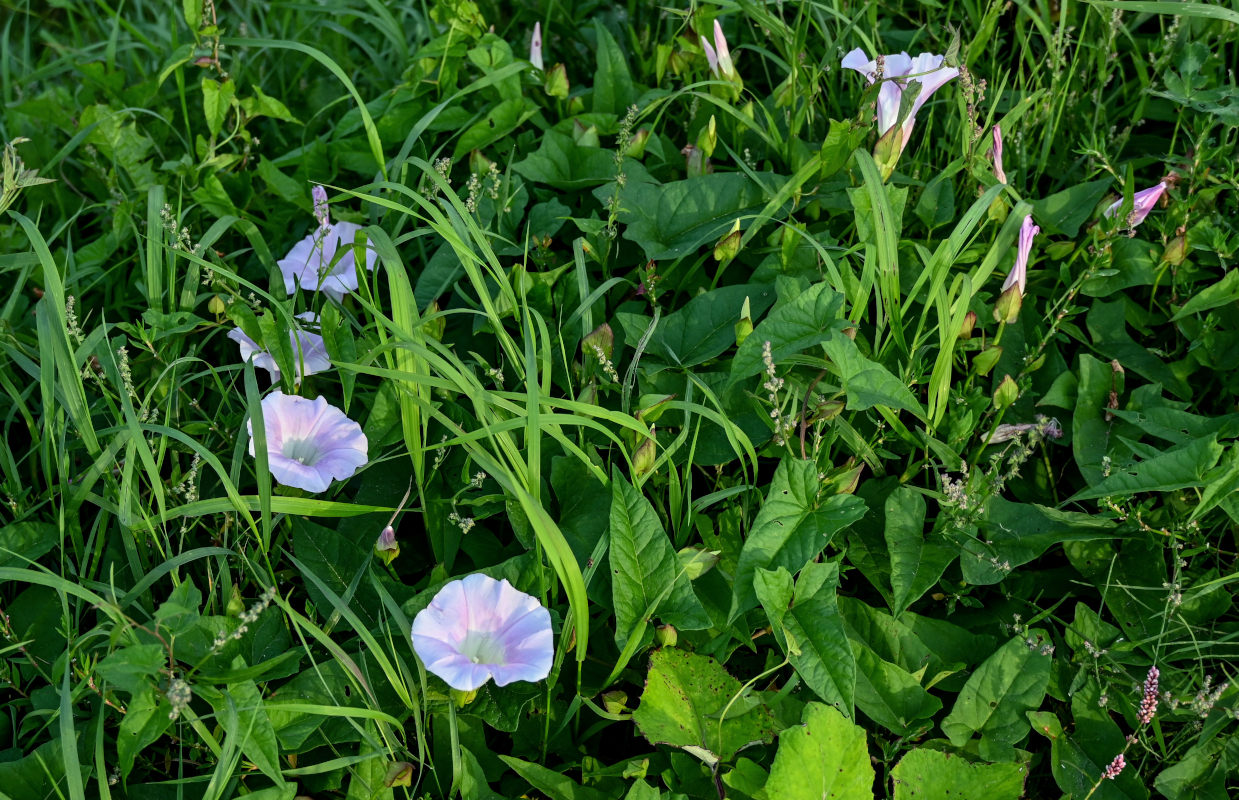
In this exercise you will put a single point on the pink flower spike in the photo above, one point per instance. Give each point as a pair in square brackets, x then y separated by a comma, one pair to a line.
[1142, 203]
[320, 206]
[535, 46]
[309, 442]
[1019, 274]
[479, 628]
[996, 154]
[308, 349]
[1116, 766]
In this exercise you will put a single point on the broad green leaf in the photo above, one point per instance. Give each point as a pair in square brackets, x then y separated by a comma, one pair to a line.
[554, 785]
[683, 705]
[1222, 293]
[497, 123]
[675, 219]
[917, 560]
[925, 774]
[216, 100]
[890, 695]
[807, 624]
[244, 718]
[614, 91]
[192, 9]
[705, 327]
[1089, 429]
[1108, 327]
[26, 540]
[792, 527]
[1202, 772]
[646, 578]
[1180, 467]
[1064, 212]
[264, 105]
[868, 383]
[146, 718]
[825, 757]
[792, 328]
[562, 163]
[996, 697]
[1016, 533]
[131, 668]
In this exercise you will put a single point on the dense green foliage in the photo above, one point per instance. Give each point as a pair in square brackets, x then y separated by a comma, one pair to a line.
[692, 355]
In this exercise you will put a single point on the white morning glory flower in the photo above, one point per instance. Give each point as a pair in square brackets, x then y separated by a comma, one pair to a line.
[309, 351]
[898, 69]
[309, 442]
[479, 628]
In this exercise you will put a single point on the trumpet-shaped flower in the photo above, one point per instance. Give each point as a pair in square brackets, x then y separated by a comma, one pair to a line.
[1142, 203]
[309, 442]
[996, 154]
[719, 56]
[309, 351]
[899, 71]
[479, 628]
[312, 263]
[535, 46]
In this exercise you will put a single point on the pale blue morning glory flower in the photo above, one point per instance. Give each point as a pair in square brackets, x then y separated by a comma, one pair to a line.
[478, 628]
[309, 442]
[309, 350]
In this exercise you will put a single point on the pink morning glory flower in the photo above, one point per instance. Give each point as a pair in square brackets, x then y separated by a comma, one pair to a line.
[898, 70]
[1142, 203]
[1019, 274]
[535, 46]
[309, 442]
[479, 628]
[312, 263]
[309, 351]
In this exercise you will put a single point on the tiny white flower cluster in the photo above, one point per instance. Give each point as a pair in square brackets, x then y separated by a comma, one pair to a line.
[607, 365]
[476, 480]
[956, 491]
[179, 695]
[248, 618]
[464, 523]
[773, 385]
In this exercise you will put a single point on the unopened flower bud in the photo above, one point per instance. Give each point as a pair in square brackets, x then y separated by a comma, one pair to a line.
[829, 410]
[556, 84]
[585, 136]
[636, 145]
[1007, 309]
[697, 561]
[970, 324]
[387, 548]
[707, 140]
[236, 604]
[615, 701]
[985, 360]
[434, 328]
[843, 480]
[726, 248]
[479, 164]
[399, 773]
[600, 339]
[1006, 393]
[647, 452]
[666, 636]
[745, 326]
[1176, 251]
[216, 305]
